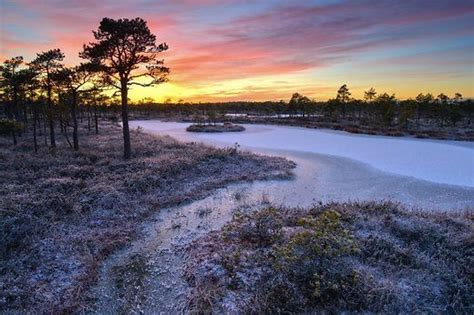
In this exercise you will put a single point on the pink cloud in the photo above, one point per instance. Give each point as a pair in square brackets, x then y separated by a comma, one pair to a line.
[284, 38]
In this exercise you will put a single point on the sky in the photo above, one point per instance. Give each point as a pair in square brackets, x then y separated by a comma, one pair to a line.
[226, 50]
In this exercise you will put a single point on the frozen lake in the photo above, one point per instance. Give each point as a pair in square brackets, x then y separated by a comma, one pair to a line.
[334, 165]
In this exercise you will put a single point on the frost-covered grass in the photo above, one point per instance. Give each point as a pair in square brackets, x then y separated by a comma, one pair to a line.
[62, 213]
[335, 258]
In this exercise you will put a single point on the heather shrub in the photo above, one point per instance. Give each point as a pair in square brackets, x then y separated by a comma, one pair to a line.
[309, 261]
[262, 227]
[335, 258]
[16, 234]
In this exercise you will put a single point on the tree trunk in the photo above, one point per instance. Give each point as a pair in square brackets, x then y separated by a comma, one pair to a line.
[67, 137]
[51, 122]
[61, 123]
[75, 138]
[35, 119]
[126, 131]
[40, 131]
[44, 130]
[398, 114]
[89, 118]
[15, 105]
[25, 116]
[14, 137]
[417, 115]
[16, 113]
[96, 121]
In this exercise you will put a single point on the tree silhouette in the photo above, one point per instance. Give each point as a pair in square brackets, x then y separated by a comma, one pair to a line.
[385, 103]
[45, 64]
[14, 82]
[74, 80]
[343, 94]
[30, 95]
[343, 97]
[457, 97]
[299, 102]
[127, 52]
[91, 98]
[10, 85]
[421, 101]
[369, 95]
[9, 127]
[442, 98]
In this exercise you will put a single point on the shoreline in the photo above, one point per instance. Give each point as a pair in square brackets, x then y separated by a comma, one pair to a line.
[150, 271]
[326, 177]
[348, 128]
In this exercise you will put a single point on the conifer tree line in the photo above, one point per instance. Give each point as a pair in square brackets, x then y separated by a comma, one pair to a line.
[375, 109]
[45, 96]
[385, 109]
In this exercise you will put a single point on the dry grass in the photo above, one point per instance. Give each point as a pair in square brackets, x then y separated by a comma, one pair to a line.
[62, 213]
[335, 258]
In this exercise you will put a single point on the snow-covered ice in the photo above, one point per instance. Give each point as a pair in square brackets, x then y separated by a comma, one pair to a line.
[338, 166]
[446, 162]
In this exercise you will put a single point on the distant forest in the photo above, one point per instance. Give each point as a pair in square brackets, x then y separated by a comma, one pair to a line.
[375, 109]
[425, 116]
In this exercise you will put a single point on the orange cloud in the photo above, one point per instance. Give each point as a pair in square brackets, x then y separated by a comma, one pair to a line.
[218, 42]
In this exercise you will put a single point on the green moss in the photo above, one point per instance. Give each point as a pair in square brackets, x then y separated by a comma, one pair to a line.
[307, 258]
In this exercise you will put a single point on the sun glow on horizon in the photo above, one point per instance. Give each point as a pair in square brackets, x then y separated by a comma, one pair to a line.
[255, 51]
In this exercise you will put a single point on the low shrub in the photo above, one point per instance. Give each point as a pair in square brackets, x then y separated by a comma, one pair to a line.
[262, 227]
[335, 258]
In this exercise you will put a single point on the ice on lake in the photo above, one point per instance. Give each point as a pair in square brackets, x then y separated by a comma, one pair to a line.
[335, 165]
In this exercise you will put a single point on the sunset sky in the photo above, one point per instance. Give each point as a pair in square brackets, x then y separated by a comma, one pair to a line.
[266, 50]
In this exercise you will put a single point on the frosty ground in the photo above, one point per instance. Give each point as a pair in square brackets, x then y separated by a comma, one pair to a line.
[187, 262]
[375, 258]
[90, 232]
[63, 213]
